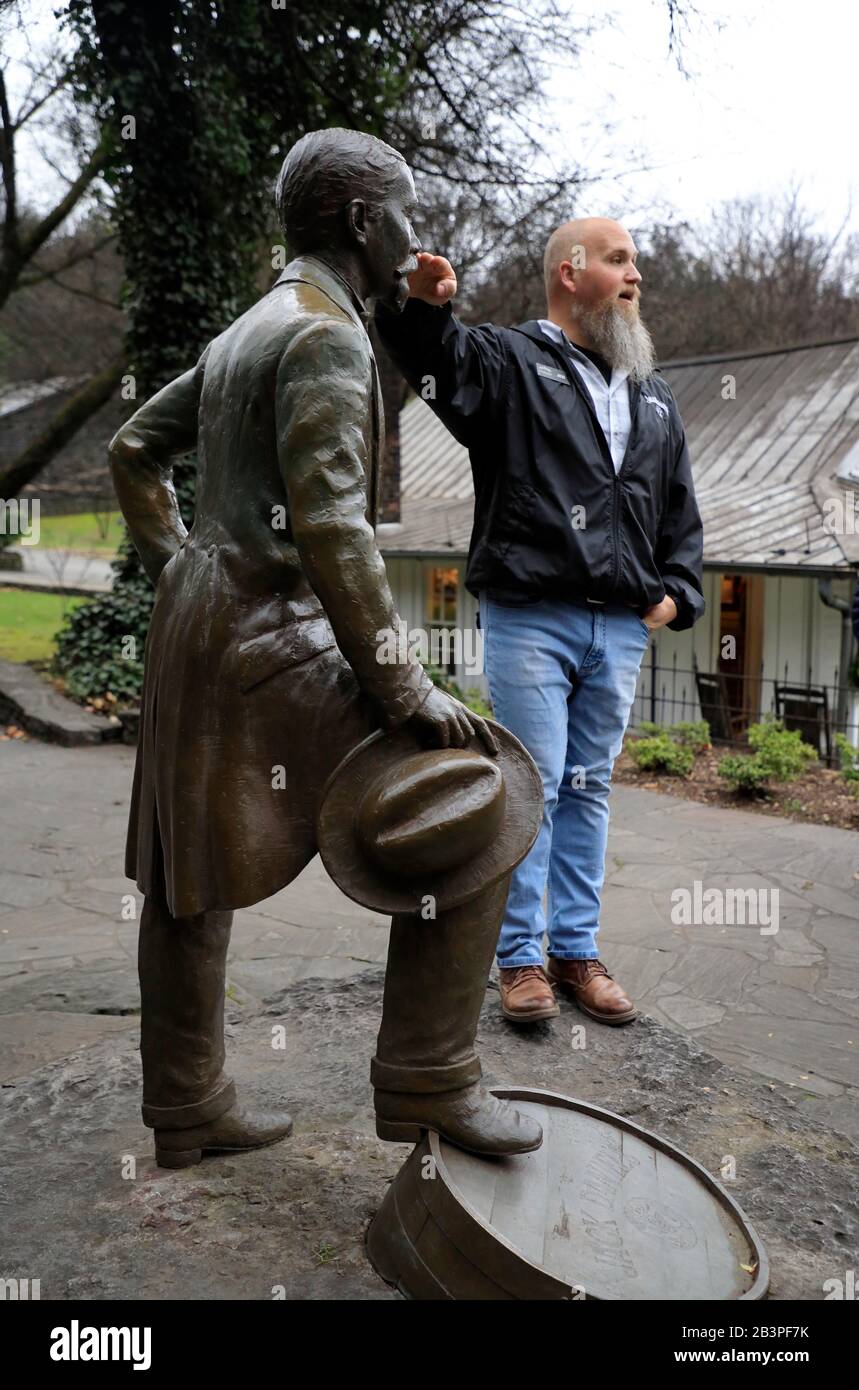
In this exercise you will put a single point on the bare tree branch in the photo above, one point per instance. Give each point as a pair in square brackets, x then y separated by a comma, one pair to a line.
[61, 428]
[49, 223]
[24, 116]
[19, 250]
[37, 277]
[84, 294]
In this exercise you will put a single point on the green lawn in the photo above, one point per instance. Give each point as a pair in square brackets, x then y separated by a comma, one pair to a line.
[29, 623]
[93, 534]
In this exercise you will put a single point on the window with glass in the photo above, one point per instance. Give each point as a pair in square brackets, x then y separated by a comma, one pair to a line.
[442, 611]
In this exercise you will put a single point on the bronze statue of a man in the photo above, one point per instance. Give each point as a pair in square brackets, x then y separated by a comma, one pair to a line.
[261, 670]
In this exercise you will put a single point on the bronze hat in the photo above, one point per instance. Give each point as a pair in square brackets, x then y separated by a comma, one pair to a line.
[399, 822]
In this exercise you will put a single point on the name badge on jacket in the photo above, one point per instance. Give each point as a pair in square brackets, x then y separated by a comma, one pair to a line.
[551, 373]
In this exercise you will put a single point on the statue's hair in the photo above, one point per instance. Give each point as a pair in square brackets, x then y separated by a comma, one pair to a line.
[325, 170]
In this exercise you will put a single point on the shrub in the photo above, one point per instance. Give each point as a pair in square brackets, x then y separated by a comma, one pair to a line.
[779, 756]
[849, 760]
[92, 652]
[91, 647]
[670, 749]
[692, 733]
[647, 729]
[662, 754]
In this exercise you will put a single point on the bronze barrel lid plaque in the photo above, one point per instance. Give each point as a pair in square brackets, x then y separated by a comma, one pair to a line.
[602, 1210]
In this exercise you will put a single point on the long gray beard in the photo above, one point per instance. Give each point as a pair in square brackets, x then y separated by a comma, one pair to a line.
[620, 338]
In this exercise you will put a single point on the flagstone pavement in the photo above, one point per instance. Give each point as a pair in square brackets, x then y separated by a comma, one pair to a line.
[781, 1005]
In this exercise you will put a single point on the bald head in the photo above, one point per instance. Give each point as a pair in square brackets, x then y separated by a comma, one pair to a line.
[585, 242]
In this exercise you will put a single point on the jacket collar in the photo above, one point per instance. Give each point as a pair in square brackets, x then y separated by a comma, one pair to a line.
[313, 270]
[618, 377]
[532, 329]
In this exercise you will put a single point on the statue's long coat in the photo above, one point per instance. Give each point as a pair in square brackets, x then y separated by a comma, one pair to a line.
[262, 665]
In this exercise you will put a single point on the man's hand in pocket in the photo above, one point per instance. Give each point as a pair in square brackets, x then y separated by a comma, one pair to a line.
[661, 613]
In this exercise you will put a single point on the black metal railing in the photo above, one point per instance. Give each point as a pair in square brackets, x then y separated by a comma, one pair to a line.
[670, 693]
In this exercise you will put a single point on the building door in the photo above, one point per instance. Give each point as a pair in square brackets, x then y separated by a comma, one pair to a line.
[740, 649]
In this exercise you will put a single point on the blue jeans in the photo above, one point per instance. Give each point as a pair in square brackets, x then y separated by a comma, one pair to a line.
[562, 676]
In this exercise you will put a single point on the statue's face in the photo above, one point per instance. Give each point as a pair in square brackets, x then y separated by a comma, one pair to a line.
[391, 246]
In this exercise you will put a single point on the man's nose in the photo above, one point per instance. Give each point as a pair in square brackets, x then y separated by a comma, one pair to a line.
[634, 275]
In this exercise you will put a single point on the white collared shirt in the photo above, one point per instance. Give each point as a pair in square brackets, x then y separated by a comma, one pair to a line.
[611, 400]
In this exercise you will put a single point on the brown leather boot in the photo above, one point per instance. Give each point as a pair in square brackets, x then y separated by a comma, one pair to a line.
[526, 995]
[233, 1132]
[595, 991]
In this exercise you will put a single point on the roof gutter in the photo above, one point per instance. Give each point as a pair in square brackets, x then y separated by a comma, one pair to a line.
[843, 606]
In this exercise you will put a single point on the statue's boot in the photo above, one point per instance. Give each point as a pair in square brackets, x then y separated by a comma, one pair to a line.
[187, 1098]
[473, 1118]
[239, 1129]
[426, 1073]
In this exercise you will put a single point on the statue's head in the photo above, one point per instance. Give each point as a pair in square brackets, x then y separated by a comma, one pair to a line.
[342, 191]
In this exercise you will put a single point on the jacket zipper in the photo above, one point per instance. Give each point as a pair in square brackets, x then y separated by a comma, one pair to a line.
[633, 413]
[616, 528]
[602, 444]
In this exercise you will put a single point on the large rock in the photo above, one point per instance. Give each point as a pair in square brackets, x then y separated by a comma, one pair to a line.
[92, 1216]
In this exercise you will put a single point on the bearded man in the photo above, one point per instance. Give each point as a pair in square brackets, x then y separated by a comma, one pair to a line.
[586, 539]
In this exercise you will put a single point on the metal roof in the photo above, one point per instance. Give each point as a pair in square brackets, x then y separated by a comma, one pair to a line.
[430, 526]
[432, 463]
[767, 433]
[19, 394]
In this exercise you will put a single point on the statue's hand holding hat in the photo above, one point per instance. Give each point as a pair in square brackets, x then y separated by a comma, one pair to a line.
[400, 824]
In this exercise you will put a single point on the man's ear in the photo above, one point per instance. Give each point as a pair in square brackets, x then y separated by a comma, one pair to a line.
[567, 276]
[356, 221]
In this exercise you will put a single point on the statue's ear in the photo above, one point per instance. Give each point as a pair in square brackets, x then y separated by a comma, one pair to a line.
[356, 221]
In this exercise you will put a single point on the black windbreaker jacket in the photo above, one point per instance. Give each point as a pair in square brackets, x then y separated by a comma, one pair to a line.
[517, 403]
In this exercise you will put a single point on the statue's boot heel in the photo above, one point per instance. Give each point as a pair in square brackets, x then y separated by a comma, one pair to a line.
[238, 1130]
[177, 1158]
[398, 1133]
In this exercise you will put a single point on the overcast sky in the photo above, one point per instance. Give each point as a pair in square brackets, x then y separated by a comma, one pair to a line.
[771, 99]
